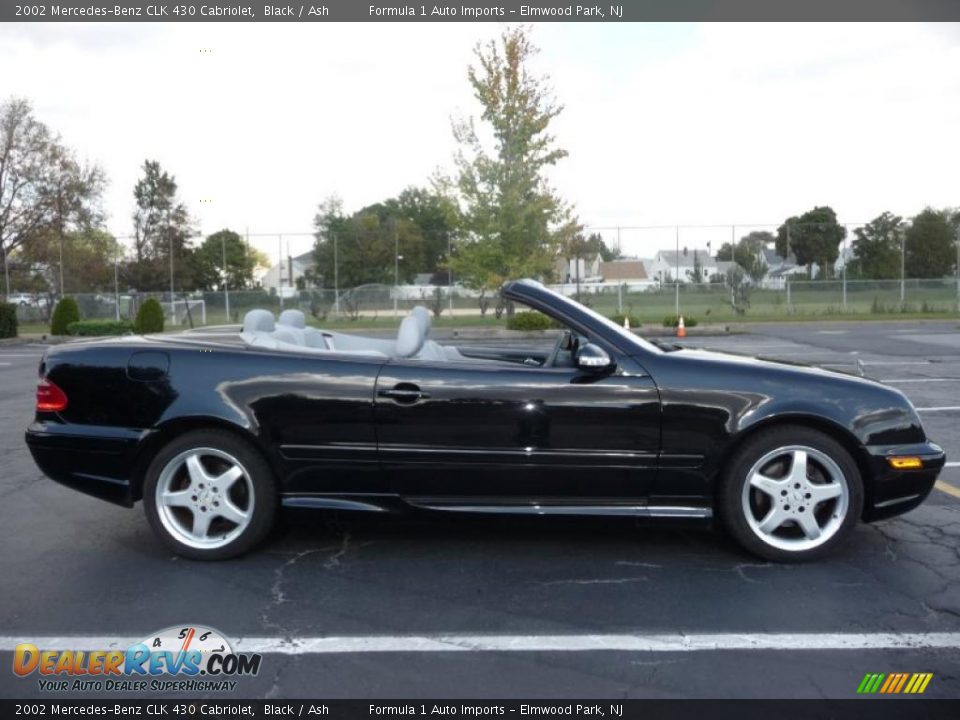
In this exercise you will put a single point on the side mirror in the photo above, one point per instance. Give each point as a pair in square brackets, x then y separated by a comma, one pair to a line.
[593, 358]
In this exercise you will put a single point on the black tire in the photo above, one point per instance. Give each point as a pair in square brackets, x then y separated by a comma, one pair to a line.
[263, 498]
[731, 499]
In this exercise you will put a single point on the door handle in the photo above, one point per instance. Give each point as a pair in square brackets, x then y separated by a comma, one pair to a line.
[406, 393]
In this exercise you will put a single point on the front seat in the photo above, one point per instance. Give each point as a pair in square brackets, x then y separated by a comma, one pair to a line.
[411, 337]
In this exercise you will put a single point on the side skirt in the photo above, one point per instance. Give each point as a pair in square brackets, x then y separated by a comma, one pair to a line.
[496, 506]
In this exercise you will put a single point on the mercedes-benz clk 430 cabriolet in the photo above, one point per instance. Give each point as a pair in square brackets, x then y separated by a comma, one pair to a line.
[216, 431]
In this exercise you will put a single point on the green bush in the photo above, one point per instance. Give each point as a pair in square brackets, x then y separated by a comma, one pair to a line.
[618, 318]
[528, 320]
[149, 317]
[673, 321]
[8, 320]
[64, 313]
[96, 328]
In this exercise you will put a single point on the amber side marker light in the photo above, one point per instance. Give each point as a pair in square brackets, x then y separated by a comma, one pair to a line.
[50, 398]
[905, 463]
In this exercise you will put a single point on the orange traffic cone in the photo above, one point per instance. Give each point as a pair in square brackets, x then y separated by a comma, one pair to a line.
[681, 330]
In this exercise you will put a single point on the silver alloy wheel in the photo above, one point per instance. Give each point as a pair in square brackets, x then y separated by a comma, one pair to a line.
[204, 498]
[795, 498]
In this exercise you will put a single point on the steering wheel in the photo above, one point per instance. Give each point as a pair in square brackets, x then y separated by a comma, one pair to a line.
[564, 341]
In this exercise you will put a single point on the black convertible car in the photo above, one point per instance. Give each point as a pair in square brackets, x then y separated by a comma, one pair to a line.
[215, 431]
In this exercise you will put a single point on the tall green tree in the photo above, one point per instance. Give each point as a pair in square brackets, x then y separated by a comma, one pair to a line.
[422, 223]
[748, 253]
[88, 258]
[162, 227]
[207, 262]
[813, 237]
[515, 221]
[877, 247]
[930, 249]
[44, 189]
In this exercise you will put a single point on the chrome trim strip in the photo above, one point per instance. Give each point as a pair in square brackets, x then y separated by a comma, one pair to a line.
[541, 509]
[896, 501]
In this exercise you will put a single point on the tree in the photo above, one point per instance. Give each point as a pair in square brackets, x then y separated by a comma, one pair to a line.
[748, 253]
[207, 262]
[814, 237]
[697, 274]
[930, 249]
[876, 248]
[43, 188]
[161, 226]
[515, 221]
[88, 258]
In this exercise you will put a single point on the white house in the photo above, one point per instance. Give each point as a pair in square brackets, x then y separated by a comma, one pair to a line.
[283, 279]
[669, 265]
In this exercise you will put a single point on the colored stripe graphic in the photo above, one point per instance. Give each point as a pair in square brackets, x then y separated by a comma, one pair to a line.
[894, 683]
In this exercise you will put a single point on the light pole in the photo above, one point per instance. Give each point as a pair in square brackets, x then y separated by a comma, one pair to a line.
[116, 278]
[6, 272]
[280, 269]
[903, 264]
[226, 289]
[396, 267]
[958, 265]
[676, 279]
[336, 278]
[450, 272]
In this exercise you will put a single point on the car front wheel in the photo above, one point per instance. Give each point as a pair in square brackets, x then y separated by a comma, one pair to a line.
[791, 494]
[209, 495]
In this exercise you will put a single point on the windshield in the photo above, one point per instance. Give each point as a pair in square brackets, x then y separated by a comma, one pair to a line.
[636, 340]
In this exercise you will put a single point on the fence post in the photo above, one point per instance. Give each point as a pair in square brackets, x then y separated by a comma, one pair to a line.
[620, 298]
[789, 304]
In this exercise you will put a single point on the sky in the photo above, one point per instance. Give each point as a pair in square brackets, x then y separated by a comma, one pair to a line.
[732, 126]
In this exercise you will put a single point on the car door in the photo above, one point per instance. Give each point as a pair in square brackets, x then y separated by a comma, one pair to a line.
[501, 433]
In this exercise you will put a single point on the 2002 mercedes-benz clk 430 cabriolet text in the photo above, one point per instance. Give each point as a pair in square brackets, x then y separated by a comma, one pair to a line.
[216, 431]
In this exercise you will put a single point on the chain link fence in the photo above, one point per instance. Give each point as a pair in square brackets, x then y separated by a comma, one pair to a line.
[644, 302]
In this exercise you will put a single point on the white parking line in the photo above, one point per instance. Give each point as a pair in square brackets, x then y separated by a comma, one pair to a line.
[952, 464]
[530, 643]
[946, 408]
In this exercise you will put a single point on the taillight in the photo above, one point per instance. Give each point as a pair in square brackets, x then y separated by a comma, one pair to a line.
[50, 398]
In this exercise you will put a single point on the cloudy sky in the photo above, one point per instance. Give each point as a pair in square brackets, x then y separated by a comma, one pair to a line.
[665, 124]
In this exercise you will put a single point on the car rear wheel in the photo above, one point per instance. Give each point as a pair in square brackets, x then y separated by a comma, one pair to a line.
[791, 494]
[209, 495]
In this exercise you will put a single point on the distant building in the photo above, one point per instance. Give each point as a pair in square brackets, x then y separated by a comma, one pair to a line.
[779, 269]
[569, 270]
[623, 271]
[669, 265]
[284, 279]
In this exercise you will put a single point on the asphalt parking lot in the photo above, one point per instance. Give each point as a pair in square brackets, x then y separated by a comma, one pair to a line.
[72, 565]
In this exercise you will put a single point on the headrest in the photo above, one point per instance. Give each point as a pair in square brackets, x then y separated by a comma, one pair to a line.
[292, 318]
[258, 320]
[411, 337]
[423, 316]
